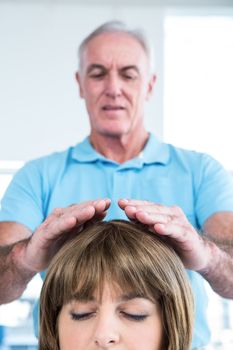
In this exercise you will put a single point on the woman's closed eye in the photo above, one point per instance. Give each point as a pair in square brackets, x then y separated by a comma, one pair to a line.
[86, 315]
[82, 316]
[134, 317]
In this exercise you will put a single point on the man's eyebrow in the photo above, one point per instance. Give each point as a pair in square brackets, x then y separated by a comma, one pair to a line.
[95, 66]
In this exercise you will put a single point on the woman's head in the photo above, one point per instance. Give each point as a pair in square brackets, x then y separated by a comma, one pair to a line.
[116, 284]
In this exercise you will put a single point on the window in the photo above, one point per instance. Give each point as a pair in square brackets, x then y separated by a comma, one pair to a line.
[198, 103]
[198, 108]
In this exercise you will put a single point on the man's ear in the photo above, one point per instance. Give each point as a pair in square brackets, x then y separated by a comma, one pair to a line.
[150, 86]
[78, 79]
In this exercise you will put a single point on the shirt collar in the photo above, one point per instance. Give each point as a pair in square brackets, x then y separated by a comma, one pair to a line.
[154, 151]
[84, 152]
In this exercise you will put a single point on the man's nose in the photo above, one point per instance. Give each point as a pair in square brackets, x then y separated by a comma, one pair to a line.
[106, 333]
[113, 86]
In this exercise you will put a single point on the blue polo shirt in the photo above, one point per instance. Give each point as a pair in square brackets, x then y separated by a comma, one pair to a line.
[161, 173]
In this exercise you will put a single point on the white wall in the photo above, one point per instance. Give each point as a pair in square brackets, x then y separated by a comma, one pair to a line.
[40, 110]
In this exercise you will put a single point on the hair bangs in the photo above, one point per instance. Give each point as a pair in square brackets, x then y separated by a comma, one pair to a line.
[113, 257]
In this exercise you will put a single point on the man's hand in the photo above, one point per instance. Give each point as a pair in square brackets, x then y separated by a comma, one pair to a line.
[59, 227]
[172, 224]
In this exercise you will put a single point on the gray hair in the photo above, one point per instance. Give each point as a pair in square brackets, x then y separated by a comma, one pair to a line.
[118, 27]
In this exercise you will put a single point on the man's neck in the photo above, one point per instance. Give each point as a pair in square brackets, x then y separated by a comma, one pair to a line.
[119, 149]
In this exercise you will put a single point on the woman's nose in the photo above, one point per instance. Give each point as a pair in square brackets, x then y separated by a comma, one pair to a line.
[106, 333]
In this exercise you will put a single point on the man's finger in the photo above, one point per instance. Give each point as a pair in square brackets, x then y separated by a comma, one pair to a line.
[149, 218]
[124, 202]
[136, 205]
[181, 234]
[67, 221]
[101, 205]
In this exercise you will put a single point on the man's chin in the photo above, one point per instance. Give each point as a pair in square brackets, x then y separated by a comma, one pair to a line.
[114, 128]
[114, 133]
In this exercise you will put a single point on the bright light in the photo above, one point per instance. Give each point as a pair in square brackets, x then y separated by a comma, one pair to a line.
[198, 99]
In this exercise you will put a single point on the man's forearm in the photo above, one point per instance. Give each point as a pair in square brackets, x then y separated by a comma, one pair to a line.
[219, 272]
[13, 278]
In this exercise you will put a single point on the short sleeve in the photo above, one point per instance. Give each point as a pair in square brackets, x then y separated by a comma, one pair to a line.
[214, 192]
[23, 199]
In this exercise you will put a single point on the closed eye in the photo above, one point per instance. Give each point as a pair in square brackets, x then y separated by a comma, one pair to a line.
[81, 316]
[130, 73]
[129, 77]
[134, 317]
[97, 75]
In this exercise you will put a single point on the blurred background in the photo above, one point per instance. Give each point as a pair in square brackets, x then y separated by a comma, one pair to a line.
[40, 110]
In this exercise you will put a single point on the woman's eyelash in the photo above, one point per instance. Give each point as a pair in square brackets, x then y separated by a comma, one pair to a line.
[87, 315]
[81, 317]
[134, 317]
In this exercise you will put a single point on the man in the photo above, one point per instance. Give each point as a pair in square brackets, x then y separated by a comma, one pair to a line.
[173, 191]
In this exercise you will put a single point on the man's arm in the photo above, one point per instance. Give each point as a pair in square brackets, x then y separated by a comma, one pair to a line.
[12, 284]
[13, 281]
[12, 232]
[218, 229]
[20, 261]
[211, 255]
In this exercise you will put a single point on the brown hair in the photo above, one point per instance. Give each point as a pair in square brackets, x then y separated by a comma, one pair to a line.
[129, 255]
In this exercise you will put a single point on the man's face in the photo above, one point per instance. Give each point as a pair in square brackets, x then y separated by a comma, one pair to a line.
[115, 83]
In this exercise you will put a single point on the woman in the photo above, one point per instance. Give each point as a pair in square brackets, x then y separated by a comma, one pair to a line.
[116, 286]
